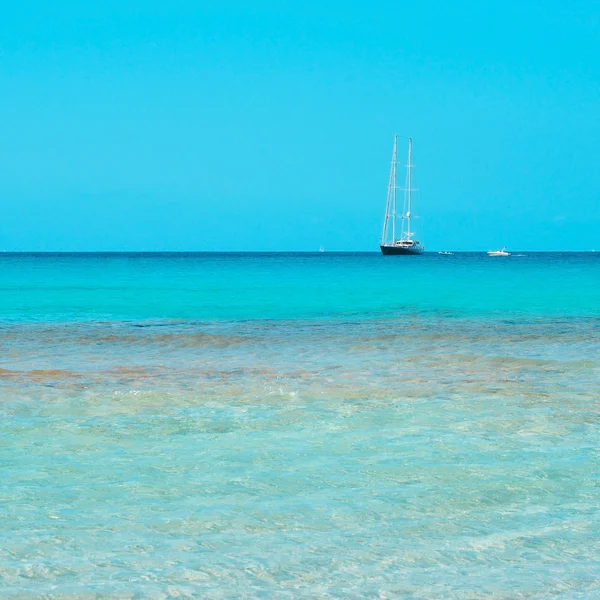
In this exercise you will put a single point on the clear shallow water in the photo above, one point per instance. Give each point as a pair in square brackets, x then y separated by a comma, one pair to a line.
[299, 426]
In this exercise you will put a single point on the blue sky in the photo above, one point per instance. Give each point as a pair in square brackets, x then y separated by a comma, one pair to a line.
[268, 125]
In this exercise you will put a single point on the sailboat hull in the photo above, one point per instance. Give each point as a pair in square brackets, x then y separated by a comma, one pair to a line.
[399, 251]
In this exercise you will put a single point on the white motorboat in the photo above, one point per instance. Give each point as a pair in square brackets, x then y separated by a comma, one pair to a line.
[502, 252]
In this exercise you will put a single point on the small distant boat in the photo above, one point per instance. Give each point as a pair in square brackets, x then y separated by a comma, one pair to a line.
[321, 249]
[446, 253]
[502, 252]
[405, 244]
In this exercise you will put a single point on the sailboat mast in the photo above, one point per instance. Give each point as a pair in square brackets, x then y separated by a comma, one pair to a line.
[389, 207]
[394, 187]
[409, 186]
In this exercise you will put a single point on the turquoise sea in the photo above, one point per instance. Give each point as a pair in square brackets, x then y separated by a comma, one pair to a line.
[299, 426]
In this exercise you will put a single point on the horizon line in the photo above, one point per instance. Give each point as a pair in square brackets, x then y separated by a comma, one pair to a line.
[12, 252]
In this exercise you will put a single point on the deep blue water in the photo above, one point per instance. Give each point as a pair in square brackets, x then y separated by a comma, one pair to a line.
[299, 426]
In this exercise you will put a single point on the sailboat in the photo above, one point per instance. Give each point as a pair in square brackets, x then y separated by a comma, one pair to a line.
[404, 244]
